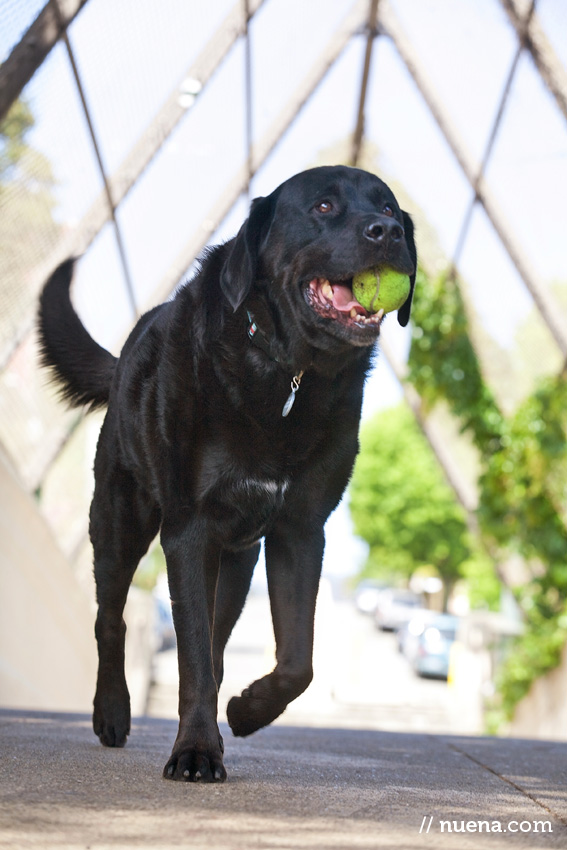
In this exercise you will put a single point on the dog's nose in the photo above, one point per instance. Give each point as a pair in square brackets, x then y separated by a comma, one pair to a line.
[384, 230]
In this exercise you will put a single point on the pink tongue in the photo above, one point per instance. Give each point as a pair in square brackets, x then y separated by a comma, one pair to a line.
[343, 301]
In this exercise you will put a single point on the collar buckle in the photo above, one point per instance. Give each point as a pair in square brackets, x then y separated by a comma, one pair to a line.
[259, 339]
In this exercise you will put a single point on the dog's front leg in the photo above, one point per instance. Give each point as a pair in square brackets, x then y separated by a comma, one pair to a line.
[192, 568]
[293, 563]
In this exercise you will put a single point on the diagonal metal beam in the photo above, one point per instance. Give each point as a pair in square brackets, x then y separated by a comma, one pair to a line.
[34, 47]
[543, 299]
[371, 33]
[96, 147]
[550, 67]
[248, 94]
[137, 160]
[173, 111]
[464, 490]
[158, 131]
[350, 26]
[465, 226]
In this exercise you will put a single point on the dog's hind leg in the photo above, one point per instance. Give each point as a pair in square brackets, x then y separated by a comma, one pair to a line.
[124, 522]
[235, 575]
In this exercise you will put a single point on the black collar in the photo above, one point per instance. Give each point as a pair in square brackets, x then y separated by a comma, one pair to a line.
[259, 338]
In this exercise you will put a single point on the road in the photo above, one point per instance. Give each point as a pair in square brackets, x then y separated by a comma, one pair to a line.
[384, 781]
[360, 681]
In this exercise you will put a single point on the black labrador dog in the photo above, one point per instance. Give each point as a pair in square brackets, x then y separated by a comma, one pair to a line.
[233, 415]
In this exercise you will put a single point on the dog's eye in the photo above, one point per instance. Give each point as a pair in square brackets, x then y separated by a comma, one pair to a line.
[388, 210]
[324, 207]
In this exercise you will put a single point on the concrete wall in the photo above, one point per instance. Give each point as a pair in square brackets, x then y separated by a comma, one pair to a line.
[47, 647]
[543, 712]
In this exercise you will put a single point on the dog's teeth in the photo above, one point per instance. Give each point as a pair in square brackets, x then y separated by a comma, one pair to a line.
[380, 314]
[353, 313]
[327, 290]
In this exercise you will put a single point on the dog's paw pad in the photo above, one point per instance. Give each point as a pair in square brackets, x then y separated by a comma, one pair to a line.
[112, 732]
[191, 766]
[246, 714]
[112, 737]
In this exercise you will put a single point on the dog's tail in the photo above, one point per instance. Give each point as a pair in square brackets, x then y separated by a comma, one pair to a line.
[79, 364]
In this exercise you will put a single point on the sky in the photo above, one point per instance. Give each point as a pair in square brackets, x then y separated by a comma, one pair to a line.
[131, 54]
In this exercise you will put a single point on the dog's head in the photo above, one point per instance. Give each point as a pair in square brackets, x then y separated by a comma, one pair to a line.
[304, 243]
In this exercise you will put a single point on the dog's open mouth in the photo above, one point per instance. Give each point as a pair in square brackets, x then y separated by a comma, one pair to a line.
[335, 301]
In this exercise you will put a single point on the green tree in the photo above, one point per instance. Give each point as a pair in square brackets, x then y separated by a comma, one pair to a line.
[13, 130]
[522, 507]
[401, 504]
[28, 230]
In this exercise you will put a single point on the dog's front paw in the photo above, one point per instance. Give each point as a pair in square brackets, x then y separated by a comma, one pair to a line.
[248, 713]
[264, 700]
[111, 719]
[187, 764]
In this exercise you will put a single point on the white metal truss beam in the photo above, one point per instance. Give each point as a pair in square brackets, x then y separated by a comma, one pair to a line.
[141, 154]
[350, 26]
[550, 67]
[33, 48]
[543, 299]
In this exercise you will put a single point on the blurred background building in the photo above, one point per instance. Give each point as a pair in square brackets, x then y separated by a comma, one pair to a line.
[133, 134]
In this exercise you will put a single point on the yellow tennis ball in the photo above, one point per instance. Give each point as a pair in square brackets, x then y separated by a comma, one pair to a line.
[381, 289]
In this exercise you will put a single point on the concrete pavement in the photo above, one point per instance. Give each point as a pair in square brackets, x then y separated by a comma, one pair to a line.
[288, 787]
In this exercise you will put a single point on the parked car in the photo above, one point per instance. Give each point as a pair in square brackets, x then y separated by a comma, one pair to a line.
[395, 608]
[434, 646]
[408, 634]
[366, 595]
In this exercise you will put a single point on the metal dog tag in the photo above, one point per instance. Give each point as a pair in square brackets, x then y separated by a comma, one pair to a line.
[295, 382]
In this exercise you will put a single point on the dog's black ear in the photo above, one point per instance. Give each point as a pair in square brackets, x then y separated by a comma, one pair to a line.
[241, 267]
[405, 309]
